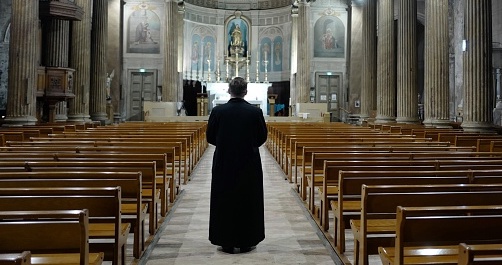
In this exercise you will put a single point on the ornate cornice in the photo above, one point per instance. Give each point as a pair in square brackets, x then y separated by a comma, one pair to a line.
[241, 4]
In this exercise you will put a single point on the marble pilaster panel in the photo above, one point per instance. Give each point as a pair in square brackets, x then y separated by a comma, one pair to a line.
[170, 82]
[368, 83]
[303, 75]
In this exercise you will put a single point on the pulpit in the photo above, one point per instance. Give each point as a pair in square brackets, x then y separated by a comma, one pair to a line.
[55, 84]
[271, 102]
[202, 104]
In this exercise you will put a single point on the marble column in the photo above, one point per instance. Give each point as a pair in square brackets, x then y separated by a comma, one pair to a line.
[368, 83]
[355, 62]
[303, 75]
[114, 59]
[78, 107]
[436, 90]
[386, 62]
[99, 41]
[181, 43]
[294, 59]
[57, 45]
[407, 93]
[23, 62]
[478, 91]
[170, 82]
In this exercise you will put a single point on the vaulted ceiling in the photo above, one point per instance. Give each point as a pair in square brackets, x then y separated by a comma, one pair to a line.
[241, 4]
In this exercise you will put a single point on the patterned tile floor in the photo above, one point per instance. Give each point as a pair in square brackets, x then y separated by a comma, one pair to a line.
[292, 237]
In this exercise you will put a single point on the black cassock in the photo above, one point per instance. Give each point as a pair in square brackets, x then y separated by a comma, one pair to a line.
[237, 129]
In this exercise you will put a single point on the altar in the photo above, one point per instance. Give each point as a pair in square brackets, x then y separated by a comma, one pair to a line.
[257, 95]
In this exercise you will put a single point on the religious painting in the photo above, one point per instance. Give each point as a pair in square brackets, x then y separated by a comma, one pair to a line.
[237, 32]
[329, 37]
[277, 54]
[195, 54]
[143, 32]
[265, 54]
[208, 53]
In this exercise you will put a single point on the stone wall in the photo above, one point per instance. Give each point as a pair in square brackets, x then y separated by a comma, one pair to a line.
[5, 15]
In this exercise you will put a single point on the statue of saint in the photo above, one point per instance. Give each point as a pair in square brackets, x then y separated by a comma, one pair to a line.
[236, 36]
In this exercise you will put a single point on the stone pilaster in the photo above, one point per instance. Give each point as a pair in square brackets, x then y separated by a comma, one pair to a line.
[114, 57]
[436, 90]
[181, 43]
[407, 93]
[478, 92]
[294, 58]
[303, 75]
[99, 41]
[386, 61]
[78, 107]
[368, 88]
[170, 84]
[23, 63]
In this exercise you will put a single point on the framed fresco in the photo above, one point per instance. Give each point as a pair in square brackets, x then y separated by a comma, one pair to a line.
[143, 30]
[329, 37]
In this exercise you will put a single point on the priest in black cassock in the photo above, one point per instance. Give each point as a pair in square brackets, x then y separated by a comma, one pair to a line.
[237, 129]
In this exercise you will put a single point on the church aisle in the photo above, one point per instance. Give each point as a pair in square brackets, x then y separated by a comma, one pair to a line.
[291, 237]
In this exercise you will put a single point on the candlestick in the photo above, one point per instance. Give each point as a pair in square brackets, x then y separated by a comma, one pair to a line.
[226, 61]
[247, 69]
[218, 70]
[257, 71]
[236, 64]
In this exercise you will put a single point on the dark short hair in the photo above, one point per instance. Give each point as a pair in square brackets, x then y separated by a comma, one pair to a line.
[238, 86]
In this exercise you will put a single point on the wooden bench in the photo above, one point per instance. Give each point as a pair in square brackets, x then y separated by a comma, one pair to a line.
[479, 254]
[23, 258]
[326, 182]
[107, 232]
[134, 210]
[347, 204]
[151, 194]
[377, 223]
[431, 235]
[50, 236]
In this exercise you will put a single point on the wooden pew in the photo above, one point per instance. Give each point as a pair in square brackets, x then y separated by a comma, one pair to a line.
[425, 235]
[107, 232]
[151, 194]
[22, 258]
[133, 209]
[326, 183]
[377, 223]
[347, 204]
[61, 235]
[479, 254]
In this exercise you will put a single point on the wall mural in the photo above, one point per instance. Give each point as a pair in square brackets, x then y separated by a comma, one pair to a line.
[265, 54]
[277, 55]
[329, 37]
[143, 30]
[195, 54]
[208, 53]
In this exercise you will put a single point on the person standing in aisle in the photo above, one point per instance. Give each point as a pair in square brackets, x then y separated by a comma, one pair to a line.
[237, 129]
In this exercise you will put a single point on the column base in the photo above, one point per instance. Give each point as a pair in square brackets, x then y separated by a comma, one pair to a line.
[79, 118]
[100, 116]
[19, 121]
[473, 126]
[384, 119]
[408, 120]
[437, 123]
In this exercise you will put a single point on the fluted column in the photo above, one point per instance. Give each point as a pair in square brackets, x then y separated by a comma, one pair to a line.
[368, 83]
[478, 93]
[181, 43]
[99, 41]
[304, 53]
[386, 84]
[294, 58]
[170, 84]
[407, 93]
[23, 63]
[78, 107]
[436, 90]
[57, 45]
